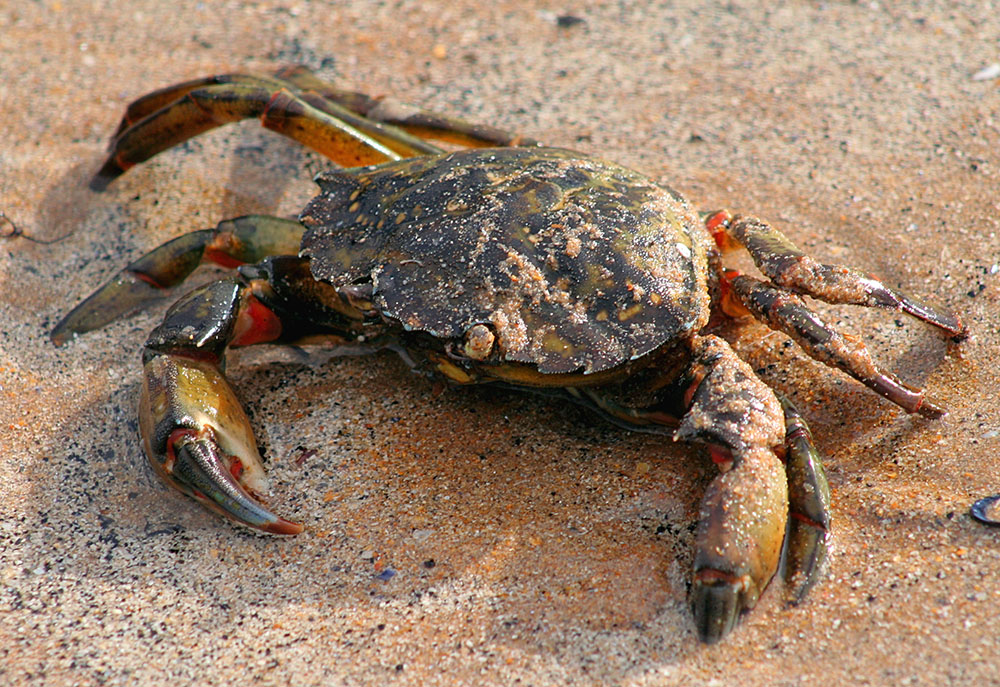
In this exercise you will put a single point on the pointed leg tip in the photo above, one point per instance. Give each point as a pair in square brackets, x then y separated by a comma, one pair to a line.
[931, 409]
[60, 336]
[282, 527]
[807, 549]
[291, 70]
[960, 332]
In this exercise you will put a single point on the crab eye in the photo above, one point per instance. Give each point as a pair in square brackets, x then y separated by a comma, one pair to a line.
[478, 342]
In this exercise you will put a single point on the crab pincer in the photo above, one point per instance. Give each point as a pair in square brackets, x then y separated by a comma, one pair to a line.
[199, 441]
[195, 433]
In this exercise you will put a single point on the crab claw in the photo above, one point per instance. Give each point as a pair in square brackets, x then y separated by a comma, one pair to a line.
[739, 538]
[198, 439]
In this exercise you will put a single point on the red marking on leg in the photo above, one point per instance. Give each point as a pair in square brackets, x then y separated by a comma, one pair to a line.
[722, 457]
[122, 163]
[961, 331]
[275, 98]
[807, 520]
[256, 323]
[716, 223]
[236, 468]
[711, 575]
[143, 277]
[693, 387]
[800, 433]
[729, 302]
[221, 258]
[928, 408]
[717, 219]
[223, 250]
[275, 113]
[175, 436]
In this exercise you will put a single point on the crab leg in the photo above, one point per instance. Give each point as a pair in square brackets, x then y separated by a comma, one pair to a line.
[162, 97]
[350, 128]
[205, 108]
[807, 538]
[195, 433]
[422, 123]
[787, 266]
[232, 242]
[787, 312]
[198, 440]
[338, 105]
[743, 513]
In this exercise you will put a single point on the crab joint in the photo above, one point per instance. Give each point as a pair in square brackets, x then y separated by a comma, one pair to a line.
[255, 323]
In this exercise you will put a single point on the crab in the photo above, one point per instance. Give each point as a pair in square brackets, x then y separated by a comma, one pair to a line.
[495, 261]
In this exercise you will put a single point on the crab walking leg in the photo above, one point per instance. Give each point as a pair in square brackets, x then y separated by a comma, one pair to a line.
[807, 538]
[195, 433]
[403, 143]
[787, 312]
[400, 141]
[233, 242]
[787, 266]
[422, 123]
[146, 105]
[351, 129]
[205, 108]
[743, 513]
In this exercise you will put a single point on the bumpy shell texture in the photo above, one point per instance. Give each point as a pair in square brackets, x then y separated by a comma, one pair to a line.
[576, 264]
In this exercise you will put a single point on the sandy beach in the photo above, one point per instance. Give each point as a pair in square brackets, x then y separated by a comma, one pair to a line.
[472, 536]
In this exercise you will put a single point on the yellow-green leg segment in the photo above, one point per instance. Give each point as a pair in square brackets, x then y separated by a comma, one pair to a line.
[351, 129]
[234, 242]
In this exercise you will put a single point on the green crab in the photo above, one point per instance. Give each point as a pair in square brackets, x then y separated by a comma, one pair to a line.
[502, 262]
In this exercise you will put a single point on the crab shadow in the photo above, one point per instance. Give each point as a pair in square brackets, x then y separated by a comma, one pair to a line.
[524, 518]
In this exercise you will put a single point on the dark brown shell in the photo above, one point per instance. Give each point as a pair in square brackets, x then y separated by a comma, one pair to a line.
[574, 262]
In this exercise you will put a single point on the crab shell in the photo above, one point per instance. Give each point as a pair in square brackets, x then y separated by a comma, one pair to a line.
[573, 264]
